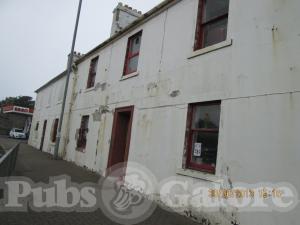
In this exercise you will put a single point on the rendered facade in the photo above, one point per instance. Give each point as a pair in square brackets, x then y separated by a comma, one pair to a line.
[196, 91]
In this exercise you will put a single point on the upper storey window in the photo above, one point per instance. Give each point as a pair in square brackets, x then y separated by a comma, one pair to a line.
[92, 73]
[211, 23]
[132, 54]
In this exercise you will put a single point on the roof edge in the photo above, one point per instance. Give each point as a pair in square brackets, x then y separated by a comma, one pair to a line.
[51, 81]
[144, 18]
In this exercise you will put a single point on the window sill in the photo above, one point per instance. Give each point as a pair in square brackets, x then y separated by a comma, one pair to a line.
[90, 89]
[80, 149]
[199, 175]
[211, 48]
[130, 75]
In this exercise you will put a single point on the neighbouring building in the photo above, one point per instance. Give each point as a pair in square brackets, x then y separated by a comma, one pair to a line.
[202, 90]
[12, 116]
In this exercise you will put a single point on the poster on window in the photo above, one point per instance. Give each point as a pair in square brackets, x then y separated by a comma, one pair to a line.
[197, 149]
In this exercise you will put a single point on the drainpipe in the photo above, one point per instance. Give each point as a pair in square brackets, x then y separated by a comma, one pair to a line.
[69, 69]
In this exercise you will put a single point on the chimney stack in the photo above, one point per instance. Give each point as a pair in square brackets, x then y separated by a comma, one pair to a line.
[76, 56]
[123, 15]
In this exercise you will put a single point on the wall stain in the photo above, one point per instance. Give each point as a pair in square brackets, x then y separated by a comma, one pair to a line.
[101, 86]
[275, 33]
[188, 213]
[175, 93]
[152, 89]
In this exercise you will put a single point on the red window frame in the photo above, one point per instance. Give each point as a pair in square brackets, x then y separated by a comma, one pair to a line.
[199, 40]
[82, 133]
[54, 130]
[129, 54]
[189, 138]
[92, 72]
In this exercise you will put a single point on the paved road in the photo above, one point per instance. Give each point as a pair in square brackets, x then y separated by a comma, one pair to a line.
[7, 143]
[39, 166]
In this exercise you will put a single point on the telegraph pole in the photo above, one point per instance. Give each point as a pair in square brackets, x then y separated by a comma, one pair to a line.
[69, 69]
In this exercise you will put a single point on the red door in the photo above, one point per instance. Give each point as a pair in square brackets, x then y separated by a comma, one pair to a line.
[121, 133]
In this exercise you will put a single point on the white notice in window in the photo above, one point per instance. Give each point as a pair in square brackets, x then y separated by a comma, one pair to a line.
[197, 149]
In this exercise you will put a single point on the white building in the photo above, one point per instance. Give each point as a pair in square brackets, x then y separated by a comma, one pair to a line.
[208, 93]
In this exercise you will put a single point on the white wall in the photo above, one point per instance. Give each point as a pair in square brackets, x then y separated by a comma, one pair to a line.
[47, 107]
[257, 79]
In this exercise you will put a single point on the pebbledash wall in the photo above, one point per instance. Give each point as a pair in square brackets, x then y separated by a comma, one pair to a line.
[255, 73]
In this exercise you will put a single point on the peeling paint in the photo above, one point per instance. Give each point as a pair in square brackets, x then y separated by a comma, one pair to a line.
[188, 213]
[175, 93]
[74, 68]
[99, 112]
[101, 86]
[235, 222]
[275, 34]
[76, 134]
[97, 116]
[152, 89]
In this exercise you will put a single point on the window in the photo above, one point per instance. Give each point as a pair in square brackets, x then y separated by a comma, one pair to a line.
[19, 130]
[82, 133]
[202, 136]
[54, 130]
[92, 73]
[132, 53]
[211, 23]
[37, 126]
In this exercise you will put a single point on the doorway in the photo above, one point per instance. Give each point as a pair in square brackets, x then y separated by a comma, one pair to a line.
[43, 135]
[121, 134]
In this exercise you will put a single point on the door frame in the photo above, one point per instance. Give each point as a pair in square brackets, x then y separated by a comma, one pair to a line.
[129, 109]
[43, 135]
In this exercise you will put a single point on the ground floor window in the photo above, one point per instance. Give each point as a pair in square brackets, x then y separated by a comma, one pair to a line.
[54, 130]
[202, 136]
[82, 133]
[37, 126]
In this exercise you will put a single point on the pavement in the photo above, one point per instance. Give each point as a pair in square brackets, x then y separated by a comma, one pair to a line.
[39, 166]
[6, 143]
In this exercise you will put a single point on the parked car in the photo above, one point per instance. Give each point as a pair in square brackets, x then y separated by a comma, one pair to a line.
[17, 133]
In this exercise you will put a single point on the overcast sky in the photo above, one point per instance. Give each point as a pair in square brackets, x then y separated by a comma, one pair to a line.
[36, 35]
